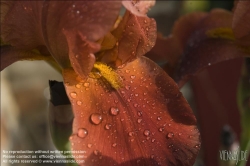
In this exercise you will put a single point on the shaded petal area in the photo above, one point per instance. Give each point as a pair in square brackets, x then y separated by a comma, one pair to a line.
[241, 23]
[11, 55]
[204, 49]
[167, 51]
[145, 122]
[21, 23]
[89, 19]
[135, 37]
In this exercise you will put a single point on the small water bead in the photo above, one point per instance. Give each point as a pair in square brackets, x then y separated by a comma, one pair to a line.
[73, 95]
[114, 111]
[96, 152]
[170, 135]
[79, 102]
[159, 118]
[82, 132]
[170, 146]
[131, 133]
[132, 77]
[96, 118]
[180, 134]
[78, 86]
[77, 55]
[127, 87]
[135, 105]
[107, 126]
[127, 71]
[139, 113]
[86, 84]
[89, 145]
[136, 95]
[153, 140]
[161, 129]
[145, 93]
[114, 144]
[146, 132]
[139, 120]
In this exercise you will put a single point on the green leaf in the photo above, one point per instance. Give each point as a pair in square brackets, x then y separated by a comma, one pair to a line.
[244, 107]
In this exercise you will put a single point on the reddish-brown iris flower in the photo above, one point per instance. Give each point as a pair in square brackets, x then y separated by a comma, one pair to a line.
[200, 39]
[127, 110]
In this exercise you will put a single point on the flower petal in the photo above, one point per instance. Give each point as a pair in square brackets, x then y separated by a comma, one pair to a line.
[20, 23]
[241, 17]
[11, 55]
[89, 19]
[135, 36]
[166, 53]
[203, 50]
[30, 24]
[145, 122]
[138, 7]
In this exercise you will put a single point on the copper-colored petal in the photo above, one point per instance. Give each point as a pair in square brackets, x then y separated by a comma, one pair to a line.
[185, 26]
[241, 17]
[139, 7]
[136, 36]
[145, 122]
[81, 53]
[89, 19]
[166, 52]
[21, 23]
[203, 50]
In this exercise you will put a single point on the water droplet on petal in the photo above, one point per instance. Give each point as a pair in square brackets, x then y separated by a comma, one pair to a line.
[146, 132]
[107, 126]
[73, 95]
[82, 133]
[127, 87]
[79, 102]
[86, 84]
[127, 71]
[131, 134]
[170, 135]
[139, 113]
[180, 134]
[139, 120]
[114, 111]
[96, 152]
[161, 129]
[114, 144]
[77, 56]
[153, 140]
[96, 118]
[78, 86]
[132, 77]
[135, 105]
[159, 118]
[89, 145]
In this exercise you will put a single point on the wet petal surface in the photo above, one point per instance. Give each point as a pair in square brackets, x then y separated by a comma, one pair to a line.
[145, 122]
